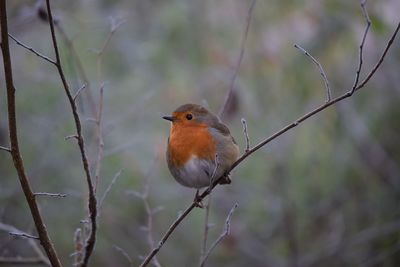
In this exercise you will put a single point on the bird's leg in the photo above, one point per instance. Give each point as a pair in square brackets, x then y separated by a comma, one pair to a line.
[197, 200]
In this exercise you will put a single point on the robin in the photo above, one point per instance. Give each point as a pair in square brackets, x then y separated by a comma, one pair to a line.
[200, 147]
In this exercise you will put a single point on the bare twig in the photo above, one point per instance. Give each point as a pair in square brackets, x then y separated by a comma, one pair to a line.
[79, 66]
[32, 50]
[114, 26]
[100, 142]
[50, 194]
[206, 229]
[71, 136]
[103, 197]
[225, 233]
[228, 95]
[99, 115]
[149, 212]
[321, 71]
[79, 91]
[266, 141]
[208, 208]
[5, 148]
[124, 253]
[78, 247]
[92, 202]
[361, 47]
[15, 152]
[246, 135]
[24, 235]
[33, 243]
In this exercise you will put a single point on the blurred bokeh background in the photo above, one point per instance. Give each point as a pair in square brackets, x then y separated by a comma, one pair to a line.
[325, 194]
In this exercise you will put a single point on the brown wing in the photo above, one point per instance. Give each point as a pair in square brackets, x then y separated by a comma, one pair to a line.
[220, 127]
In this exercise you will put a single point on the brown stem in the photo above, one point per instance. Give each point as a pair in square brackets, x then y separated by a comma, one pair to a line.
[45, 240]
[92, 202]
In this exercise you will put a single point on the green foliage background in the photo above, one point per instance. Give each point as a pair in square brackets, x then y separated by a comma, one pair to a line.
[325, 194]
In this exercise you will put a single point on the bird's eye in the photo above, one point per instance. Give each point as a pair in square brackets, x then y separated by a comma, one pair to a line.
[189, 116]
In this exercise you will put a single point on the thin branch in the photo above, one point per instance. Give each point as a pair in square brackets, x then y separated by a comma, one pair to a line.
[100, 142]
[99, 115]
[33, 243]
[92, 202]
[246, 135]
[114, 26]
[32, 50]
[228, 95]
[208, 208]
[5, 148]
[321, 71]
[149, 229]
[50, 194]
[124, 253]
[206, 229]
[266, 141]
[45, 240]
[78, 247]
[103, 197]
[361, 47]
[226, 232]
[79, 91]
[149, 212]
[24, 235]
[71, 136]
[79, 66]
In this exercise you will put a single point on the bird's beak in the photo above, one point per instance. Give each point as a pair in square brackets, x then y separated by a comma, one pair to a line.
[168, 118]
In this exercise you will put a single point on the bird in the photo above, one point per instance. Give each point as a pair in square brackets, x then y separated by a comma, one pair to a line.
[200, 147]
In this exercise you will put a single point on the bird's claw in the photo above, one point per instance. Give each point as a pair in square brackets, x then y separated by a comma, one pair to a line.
[197, 200]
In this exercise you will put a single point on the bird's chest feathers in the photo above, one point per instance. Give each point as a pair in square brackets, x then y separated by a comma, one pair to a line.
[190, 141]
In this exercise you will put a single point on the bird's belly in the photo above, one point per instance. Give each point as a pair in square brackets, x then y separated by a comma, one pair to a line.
[195, 173]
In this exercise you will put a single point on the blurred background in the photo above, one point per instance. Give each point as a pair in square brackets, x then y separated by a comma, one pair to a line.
[325, 194]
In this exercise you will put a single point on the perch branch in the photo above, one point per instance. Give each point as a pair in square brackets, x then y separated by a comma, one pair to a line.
[266, 141]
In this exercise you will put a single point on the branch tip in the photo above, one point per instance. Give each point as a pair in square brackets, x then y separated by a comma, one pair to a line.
[321, 70]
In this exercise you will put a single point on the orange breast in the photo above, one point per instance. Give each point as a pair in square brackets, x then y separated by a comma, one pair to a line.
[186, 141]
